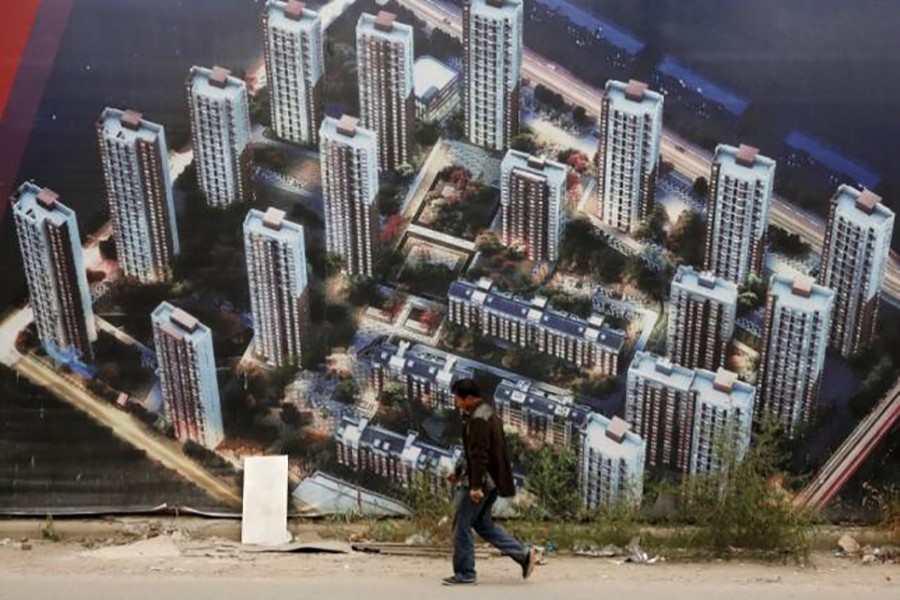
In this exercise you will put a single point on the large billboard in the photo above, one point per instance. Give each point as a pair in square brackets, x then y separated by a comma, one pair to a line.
[235, 228]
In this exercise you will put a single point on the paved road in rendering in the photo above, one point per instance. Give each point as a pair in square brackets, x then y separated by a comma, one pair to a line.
[686, 157]
[163, 450]
[874, 428]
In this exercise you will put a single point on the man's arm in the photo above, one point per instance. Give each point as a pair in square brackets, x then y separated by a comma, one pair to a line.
[479, 437]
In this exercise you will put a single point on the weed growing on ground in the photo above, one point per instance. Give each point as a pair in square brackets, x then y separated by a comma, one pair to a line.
[48, 530]
[741, 507]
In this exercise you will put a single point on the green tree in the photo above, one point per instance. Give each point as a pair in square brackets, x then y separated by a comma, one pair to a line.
[524, 142]
[388, 199]
[363, 291]
[700, 187]
[270, 156]
[740, 507]
[394, 395]
[564, 154]
[686, 239]
[387, 259]
[609, 265]
[599, 387]
[289, 414]
[553, 481]
[346, 391]
[333, 263]
[259, 108]
[427, 133]
[653, 228]
[488, 243]
[786, 243]
[579, 115]
[752, 294]
[455, 126]
[108, 249]
[879, 378]
[405, 171]
[549, 98]
[577, 305]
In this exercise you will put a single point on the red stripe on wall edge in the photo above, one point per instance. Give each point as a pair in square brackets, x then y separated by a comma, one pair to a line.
[30, 79]
[16, 20]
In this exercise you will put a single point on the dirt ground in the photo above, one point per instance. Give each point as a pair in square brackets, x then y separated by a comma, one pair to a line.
[154, 558]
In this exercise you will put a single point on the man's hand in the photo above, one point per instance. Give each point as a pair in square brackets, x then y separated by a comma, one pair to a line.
[476, 496]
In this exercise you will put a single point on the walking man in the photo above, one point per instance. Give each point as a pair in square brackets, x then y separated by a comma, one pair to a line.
[482, 475]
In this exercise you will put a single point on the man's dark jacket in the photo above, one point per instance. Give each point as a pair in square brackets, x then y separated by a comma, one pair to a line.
[485, 452]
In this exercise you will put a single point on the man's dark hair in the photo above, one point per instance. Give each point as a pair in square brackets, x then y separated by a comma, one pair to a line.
[465, 388]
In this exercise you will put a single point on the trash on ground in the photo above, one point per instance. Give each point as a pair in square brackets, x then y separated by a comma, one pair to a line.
[416, 539]
[157, 547]
[596, 551]
[849, 545]
[636, 554]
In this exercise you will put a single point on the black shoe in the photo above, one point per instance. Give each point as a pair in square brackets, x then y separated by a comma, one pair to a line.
[454, 580]
[530, 562]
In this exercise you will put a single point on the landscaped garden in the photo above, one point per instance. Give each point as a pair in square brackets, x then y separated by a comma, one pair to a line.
[458, 205]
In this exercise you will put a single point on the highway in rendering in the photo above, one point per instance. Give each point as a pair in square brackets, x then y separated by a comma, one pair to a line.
[856, 448]
[684, 156]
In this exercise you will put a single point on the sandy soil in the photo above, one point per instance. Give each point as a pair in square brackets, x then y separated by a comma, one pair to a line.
[199, 557]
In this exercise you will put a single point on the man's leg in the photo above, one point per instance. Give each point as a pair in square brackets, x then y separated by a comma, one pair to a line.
[463, 539]
[495, 535]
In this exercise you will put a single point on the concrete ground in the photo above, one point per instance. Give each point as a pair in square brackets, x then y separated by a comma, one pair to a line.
[338, 577]
[100, 560]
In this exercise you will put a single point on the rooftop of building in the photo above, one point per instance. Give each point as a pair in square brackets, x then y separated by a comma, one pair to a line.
[705, 284]
[382, 440]
[724, 390]
[384, 25]
[496, 7]
[347, 130]
[537, 312]
[419, 365]
[40, 204]
[612, 438]
[408, 448]
[431, 74]
[178, 323]
[217, 82]
[128, 125]
[429, 457]
[801, 293]
[634, 96]
[349, 430]
[531, 397]
[540, 166]
[661, 370]
[291, 15]
[273, 223]
[863, 207]
[745, 157]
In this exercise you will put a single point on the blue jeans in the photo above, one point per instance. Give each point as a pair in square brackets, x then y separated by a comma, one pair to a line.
[478, 517]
